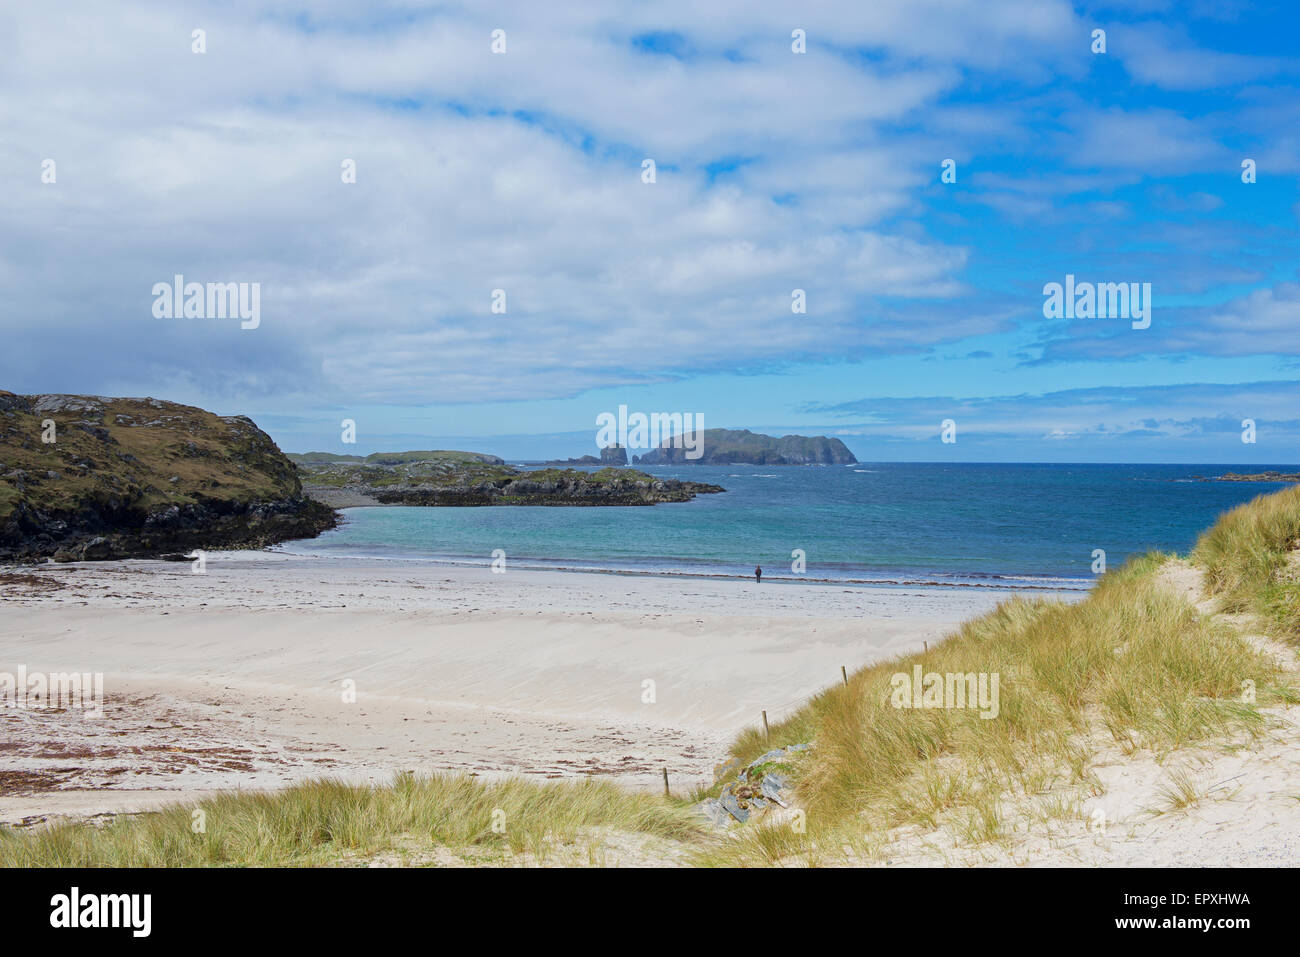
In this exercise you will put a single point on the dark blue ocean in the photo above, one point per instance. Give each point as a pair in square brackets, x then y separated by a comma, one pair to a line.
[917, 523]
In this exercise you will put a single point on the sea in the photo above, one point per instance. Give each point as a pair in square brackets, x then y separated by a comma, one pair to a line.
[918, 524]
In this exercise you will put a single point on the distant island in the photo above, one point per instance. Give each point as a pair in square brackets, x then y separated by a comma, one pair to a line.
[743, 447]
[442, 478]
[1260, 477]
[614, 455]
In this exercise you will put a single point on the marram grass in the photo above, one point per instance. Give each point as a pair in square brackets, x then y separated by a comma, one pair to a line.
[1248, 557]
[1132, 667]
[328, 822]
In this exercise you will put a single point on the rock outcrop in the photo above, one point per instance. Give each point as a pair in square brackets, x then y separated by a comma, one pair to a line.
[761, 787]
[470, 483]
[87, 477]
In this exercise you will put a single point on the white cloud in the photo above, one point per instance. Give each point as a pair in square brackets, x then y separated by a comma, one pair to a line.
[520, 172]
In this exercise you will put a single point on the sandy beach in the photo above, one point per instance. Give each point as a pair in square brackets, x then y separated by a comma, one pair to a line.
[270, 669]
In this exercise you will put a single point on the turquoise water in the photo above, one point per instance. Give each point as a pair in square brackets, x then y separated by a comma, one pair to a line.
[969, 524]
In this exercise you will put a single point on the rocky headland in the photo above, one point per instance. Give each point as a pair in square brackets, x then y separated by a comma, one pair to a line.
[88, 477]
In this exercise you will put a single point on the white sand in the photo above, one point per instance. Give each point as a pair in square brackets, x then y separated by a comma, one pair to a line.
[235, 678]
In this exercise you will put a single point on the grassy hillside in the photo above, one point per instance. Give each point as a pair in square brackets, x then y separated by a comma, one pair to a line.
[141, 474]
[441, 473]
[397, 458]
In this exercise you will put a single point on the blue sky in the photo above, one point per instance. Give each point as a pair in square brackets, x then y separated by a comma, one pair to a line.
[522, 171]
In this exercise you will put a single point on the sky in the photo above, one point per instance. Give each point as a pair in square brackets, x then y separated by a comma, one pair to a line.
[127, 157]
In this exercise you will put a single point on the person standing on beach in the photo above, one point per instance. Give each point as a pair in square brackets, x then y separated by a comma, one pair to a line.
[758, 575]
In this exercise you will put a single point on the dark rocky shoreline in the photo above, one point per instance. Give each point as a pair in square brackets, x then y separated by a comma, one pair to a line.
[169, 532]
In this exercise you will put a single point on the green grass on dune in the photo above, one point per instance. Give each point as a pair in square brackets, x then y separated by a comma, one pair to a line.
[1249, 563]
[1133, 667]
[328, 822]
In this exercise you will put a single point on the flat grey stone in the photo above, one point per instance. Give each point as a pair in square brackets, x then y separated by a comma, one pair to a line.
[714, 812]
[773, 787]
